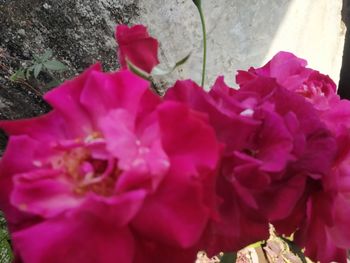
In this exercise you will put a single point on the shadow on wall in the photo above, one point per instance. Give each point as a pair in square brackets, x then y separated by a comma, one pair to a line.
[344, 83]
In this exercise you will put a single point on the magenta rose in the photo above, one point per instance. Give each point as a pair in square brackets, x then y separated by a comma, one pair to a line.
[324, 230]
[274, 144]
[319, 89]
[137, 46]
[111, 174]
[291, 73]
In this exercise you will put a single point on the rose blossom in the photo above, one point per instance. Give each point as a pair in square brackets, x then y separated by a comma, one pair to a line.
[277, 160]
[324, 231]
[136, 45]
[291, 72]
[274, 143]
[319, 89]
[110, 174]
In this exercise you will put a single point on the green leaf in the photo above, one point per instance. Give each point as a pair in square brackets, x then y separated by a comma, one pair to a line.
[27, 72]
[37, 70]
[228, 257]
[36, 58]
[55, 65]
[157, 71]
[45, 57]
[19, 74]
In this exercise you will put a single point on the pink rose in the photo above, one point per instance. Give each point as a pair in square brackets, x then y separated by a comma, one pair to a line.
[136, 45]
[112, 173]
[324, 231]
[290, 72]
[274, 144]
[314, 234]
[320, 90]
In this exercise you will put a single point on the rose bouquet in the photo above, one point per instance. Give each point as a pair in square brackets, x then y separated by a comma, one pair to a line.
[118, 173]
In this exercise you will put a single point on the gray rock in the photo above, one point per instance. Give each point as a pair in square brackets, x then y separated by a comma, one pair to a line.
[79, 33]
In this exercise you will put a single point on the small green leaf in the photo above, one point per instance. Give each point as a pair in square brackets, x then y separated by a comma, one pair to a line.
[31, 68]
[228, 257]
[27, 72]
[37, 70]
[19, 74]
[157, 71]
[36, 58]
[55, 65]
[45, 57]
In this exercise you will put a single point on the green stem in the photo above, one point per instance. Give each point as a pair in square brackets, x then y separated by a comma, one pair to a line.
[199, 7]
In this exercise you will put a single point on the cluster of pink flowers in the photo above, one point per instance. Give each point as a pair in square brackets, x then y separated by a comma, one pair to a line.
[116, 173]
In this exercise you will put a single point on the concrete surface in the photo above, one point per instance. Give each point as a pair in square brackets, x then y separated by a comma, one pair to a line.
[247, 33]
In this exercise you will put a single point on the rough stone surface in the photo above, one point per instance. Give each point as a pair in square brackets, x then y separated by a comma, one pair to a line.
[247, 33]
[81, 32]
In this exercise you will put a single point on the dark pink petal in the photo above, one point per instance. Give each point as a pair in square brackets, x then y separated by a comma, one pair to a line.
[276, 144]
[48, 127]
[119, 209]
[314, 235]
[291, 73]
[13, 163]
[282, 65]
[237, 226]
[281, 198]
[178, 212]
[104, 92]
[183, 132]
[74, 238]
[121, 139]
[340, 231]
[66, 100]
[336, 115]
[43, 192]
[136, 45]
[224, 121]
[150, 252]
[133, 152]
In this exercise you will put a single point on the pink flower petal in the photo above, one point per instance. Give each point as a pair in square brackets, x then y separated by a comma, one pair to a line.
[74, 238]
[136, 45]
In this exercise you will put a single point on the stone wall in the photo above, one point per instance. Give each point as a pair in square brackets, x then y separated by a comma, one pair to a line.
[246, 33]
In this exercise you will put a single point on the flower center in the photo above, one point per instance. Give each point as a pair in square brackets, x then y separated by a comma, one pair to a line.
[87, 172]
